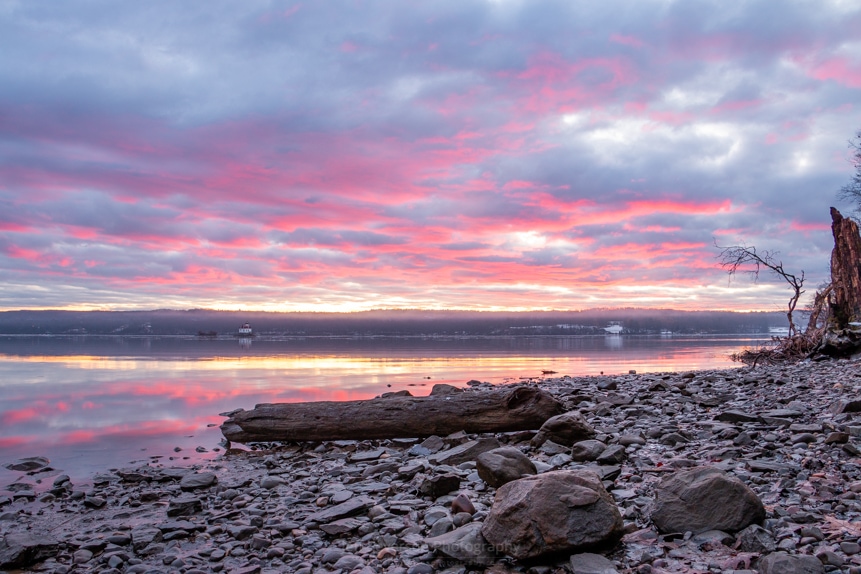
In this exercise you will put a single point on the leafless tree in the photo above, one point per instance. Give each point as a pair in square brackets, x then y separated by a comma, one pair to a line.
[852, 190]
[745, 259]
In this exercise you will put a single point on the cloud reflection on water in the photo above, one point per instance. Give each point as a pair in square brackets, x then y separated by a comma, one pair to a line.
[90, 404]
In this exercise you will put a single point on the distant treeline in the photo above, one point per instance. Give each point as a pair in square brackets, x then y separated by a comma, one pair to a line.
[385, 323]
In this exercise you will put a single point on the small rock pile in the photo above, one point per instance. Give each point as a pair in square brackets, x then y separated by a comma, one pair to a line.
[731, 471]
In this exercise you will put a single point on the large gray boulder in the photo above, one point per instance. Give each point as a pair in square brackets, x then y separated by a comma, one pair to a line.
[783, 563]
[560, 511]
[705, 498]
[502, 465]
[565, 429]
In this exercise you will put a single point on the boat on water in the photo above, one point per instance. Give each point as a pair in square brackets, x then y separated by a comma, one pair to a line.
[245, 331]
[614, 329]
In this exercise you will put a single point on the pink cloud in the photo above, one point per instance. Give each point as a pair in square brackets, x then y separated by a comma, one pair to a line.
[841, 70]
[736, 106]
[632, 41]
[551, 84]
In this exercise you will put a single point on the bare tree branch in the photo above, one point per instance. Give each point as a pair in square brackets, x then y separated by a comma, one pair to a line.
[743, 259]
[852, 190]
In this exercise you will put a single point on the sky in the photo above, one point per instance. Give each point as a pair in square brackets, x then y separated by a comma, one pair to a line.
[465, 154]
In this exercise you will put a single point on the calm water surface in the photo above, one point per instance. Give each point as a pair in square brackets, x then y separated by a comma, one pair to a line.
[94, 403]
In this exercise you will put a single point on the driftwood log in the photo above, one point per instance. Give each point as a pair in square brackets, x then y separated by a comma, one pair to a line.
[520, 408]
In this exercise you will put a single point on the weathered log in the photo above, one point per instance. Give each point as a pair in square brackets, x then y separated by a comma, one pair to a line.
[520, 408]
[843, 329]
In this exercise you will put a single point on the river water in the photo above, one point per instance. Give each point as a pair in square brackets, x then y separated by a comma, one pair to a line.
[94, 403]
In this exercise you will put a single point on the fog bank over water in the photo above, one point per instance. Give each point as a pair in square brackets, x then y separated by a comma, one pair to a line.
[392, 323]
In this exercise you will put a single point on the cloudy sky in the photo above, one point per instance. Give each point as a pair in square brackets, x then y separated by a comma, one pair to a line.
[463, 154]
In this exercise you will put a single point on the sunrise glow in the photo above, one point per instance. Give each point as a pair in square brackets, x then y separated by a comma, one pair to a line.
[278, 156]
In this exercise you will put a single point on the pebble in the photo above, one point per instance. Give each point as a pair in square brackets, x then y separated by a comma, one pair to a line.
[369, 506]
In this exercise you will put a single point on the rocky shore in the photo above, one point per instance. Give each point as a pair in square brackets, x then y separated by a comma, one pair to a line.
[731, 471]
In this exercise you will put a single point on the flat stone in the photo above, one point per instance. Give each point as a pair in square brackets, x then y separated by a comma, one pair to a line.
[465, 544]
[465, 452]
[346, 509]
[760, 465]
[587, 563]
[781, 414]
[432, 443]
[367, 455]
[736, 416]
[143, 536]
[28, 464]
[341, 527]
[198, 480]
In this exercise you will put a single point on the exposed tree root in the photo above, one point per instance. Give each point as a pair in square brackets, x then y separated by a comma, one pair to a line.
[781, 350]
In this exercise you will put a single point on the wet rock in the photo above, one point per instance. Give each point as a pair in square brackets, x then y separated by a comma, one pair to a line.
[804, 468]
[559, 511]
[28, 464]
[501, 465]
[564, 429]
[705, 498]
[21, 550]
[443, 389]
